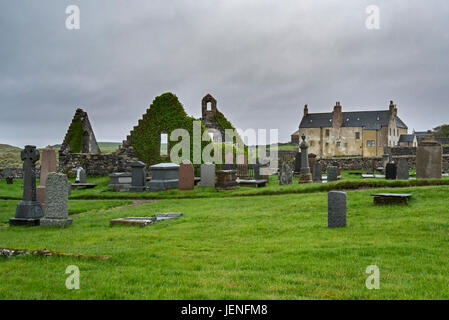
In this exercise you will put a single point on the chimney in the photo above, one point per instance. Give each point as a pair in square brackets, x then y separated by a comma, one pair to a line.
[306, 110]
[392, 107]
[337, 115]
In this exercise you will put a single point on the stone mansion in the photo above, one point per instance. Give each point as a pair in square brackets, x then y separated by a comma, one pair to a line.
[357, 133]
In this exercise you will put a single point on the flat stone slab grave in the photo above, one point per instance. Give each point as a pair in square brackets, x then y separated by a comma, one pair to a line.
[145, 221]
[367, 176]
[391, 198]
[83, 186]
[249, 183]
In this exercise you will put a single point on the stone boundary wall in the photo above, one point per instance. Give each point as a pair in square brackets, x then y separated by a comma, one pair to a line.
[406, 151]
[96, 165]
[17, 173]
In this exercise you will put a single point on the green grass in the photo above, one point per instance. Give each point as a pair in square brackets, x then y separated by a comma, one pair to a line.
[267, 247]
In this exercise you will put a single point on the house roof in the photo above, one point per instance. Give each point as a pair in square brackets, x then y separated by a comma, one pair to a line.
[407, 138]
[371, 120]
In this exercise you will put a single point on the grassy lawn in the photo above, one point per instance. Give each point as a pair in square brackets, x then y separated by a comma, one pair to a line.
[266, 247]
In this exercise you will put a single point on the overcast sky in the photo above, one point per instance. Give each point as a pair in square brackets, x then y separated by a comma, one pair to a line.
[262, 60]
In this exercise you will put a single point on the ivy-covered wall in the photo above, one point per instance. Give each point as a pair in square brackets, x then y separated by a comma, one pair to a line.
[75, 136]
[165, 114]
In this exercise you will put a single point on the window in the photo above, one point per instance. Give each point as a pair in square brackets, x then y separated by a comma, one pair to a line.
[327, 133]
[338, 144]
[357, 136]
[209, 106]
[327, 144]
[164, 145]
[370, 143]
[211, 135]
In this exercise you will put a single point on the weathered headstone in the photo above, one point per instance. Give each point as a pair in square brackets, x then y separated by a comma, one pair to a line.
[8, 176]
[312, 160]
[80, 176]
[304, 174]
[298, 162]
[391, 171]
[385, 161]
[285, 174]
[332, 173]
[48, 163]
[207, 175]
[226, 180]
[429, 158]
[403, 170]
[164, 176]
[138, 176]
[186, 175]
[369, 167]
[120, 181]
[56, 200]
[317, 175]
[446, 167]
[28, 211]
[336, 209]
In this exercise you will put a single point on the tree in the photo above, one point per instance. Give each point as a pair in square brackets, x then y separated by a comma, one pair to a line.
[442, 131]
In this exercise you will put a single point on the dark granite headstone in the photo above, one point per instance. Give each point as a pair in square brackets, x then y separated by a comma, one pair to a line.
[28, 211]
[332, 173]
[445, 167]
[164, 176]
[317, 175]
[298, 162]
[403, 170]
[390, 171]
[336, 209]
[138, 176]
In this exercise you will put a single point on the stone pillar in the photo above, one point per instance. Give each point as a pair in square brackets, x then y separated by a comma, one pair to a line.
[138, 176]
[336, 209]
[304, 174]
[429, 158]
[28, 211]
[56, 199]
[207, 175]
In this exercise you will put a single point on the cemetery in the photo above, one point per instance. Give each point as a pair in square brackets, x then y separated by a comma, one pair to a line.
[212, 232]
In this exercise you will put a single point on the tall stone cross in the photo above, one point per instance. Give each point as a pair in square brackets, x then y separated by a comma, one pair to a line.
[30, 155]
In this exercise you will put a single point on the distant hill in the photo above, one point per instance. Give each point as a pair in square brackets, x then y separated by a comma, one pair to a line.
[10, 155]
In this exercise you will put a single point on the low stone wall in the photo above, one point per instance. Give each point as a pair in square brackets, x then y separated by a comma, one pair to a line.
[96, 165]
[408, 151]
[17, 173]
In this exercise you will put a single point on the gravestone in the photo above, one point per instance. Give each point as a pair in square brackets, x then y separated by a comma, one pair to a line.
[429, 158]
[385, 161]
[28, 211]
[226, 180]
[332, 173]
[312, 160]
[446, 167]
[304, 174]
[391, 171]
[48, 164]
[80, 175]
[297, 162]
[369, 166]
[207, 175]
[164, 176]
[403, 170]
[7, 173]
[186, 175]
[138, 176]
[286, 174]
[336, 209]
[56, 200]
[120, 181]
[317, 175]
